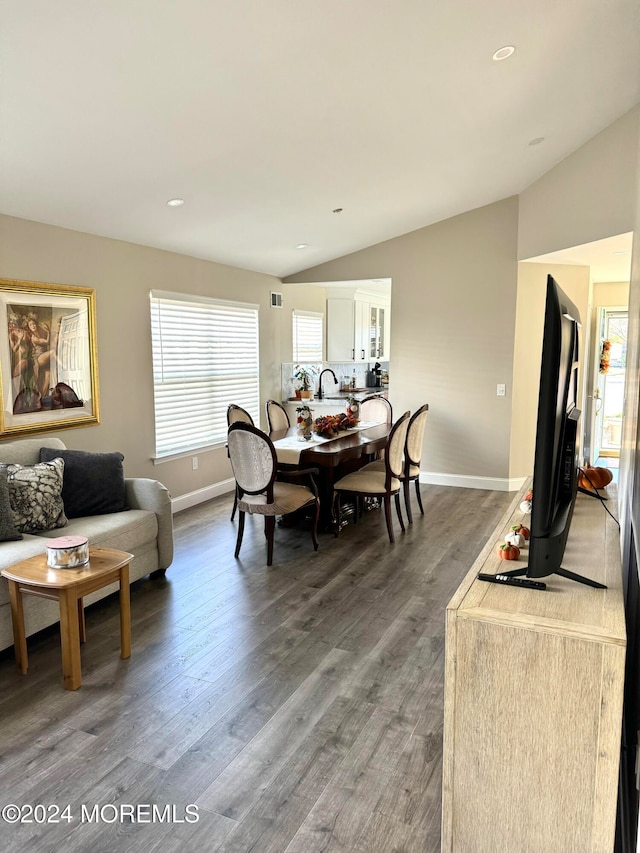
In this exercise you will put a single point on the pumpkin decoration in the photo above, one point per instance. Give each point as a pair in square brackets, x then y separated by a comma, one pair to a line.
[590, 477]
[522, 530]
[508, 552]
[514, 537]
[525, 506]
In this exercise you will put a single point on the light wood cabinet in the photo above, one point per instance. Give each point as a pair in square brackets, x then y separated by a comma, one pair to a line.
[533, 701]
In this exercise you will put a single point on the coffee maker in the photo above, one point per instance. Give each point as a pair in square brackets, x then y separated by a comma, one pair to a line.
[374, 377]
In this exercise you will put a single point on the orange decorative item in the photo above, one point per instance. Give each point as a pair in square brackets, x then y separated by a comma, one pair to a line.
[521, 529]
[591, 478]
[508, 552]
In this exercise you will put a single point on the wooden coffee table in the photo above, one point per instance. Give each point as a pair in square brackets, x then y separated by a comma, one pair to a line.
[68, 587]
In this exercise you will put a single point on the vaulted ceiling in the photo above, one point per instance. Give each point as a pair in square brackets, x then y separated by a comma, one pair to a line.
[267, 117]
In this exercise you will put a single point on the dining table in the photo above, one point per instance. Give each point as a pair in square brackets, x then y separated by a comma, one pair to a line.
[333, 457]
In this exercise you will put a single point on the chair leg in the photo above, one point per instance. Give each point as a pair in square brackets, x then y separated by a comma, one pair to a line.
[269, 528]
[407, 499]
[314, 527]
[399, 511]
[337, 513]
[235, 503]
[387, 515]
[418, 495]
[240, 532]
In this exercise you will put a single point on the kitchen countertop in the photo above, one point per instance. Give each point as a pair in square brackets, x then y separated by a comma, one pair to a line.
[334, 397]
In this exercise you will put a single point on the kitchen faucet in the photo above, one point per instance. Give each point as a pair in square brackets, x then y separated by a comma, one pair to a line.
[326, 370]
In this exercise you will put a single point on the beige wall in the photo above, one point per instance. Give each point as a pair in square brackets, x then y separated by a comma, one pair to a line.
[532, 281]
[122, 275]
[588, 196]
[452, 332]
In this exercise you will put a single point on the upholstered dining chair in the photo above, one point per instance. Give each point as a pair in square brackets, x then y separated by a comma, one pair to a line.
[376, 408]
[253, 459]
[277, 417]
[236, 414]
[413, 456]
[379, 479]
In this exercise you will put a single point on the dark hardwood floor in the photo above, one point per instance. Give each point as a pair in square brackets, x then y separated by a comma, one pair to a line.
[299, 707]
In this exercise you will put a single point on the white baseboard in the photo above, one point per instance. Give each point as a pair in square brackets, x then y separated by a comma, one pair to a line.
[464, 481]
[202, 495]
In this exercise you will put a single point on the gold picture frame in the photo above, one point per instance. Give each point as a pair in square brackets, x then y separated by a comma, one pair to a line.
[48, 357]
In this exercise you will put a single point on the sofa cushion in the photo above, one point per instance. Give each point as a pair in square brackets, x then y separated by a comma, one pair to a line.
[35, 494]
[93, 483]
[8, 530]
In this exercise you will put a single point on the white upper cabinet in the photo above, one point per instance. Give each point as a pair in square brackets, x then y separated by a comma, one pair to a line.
[358, 328]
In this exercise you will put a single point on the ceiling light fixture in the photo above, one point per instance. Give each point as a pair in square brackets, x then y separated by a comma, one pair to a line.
[302, 246]
[537, 140]
[503, 53]
[622, 252]
[175, 202]
[337, 210]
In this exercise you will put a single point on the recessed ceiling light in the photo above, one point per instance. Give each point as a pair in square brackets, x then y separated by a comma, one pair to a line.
[622, 252]
[503, 53]
[537, 140]
[337, 210]
[302, 246]
[175, 202]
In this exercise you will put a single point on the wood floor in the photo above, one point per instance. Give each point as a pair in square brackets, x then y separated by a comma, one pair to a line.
[298, 707]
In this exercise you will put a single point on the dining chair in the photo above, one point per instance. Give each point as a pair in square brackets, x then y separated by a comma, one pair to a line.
[253, 459]
[379, 479]
[376, 408]
[413, 456]
[277, 417]
[236, 414]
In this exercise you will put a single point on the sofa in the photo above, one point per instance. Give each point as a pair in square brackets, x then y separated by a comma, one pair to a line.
[144, 528]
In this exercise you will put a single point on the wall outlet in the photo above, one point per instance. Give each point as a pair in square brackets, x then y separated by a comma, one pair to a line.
[501, 390]
[194, 462]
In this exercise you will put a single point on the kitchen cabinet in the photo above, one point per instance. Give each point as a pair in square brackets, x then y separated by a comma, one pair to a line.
[358, 328]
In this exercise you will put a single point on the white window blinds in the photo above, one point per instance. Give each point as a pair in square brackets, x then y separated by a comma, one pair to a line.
[307, 337]
[205, 356]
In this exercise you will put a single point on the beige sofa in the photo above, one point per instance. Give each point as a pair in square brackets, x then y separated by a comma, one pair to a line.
[144, 530]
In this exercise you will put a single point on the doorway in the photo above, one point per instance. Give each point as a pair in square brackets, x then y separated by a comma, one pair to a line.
[608, 394]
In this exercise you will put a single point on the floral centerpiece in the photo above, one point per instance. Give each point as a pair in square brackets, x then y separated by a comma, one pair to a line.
[329, 426]
[304, 422]
[305, 375]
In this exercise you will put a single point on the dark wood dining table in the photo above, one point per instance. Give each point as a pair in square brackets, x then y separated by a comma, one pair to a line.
[333, 459]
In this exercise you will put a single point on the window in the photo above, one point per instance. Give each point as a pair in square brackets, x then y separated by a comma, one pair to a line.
[307, 337]
[205, 356]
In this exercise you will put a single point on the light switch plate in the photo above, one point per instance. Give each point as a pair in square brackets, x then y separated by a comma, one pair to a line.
[501, 390]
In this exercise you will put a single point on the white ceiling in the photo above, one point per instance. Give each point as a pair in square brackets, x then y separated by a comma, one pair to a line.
[265, 116]
[609, 260]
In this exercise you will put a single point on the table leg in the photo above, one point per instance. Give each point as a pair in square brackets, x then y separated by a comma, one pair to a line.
[125, 614]
[70, 639]
[81, 623]
[19, 634]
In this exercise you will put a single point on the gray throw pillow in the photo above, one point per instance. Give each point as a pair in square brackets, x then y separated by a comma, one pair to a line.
[8, 530]
[35, 495]
[93, 482]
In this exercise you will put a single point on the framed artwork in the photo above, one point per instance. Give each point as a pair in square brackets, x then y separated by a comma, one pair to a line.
[48, 357]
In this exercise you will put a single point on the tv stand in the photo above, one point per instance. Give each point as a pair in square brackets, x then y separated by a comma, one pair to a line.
[564, 573]
[533, 700]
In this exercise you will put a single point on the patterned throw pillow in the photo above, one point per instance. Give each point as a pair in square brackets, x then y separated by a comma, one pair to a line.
[35, 494]
[8, 532]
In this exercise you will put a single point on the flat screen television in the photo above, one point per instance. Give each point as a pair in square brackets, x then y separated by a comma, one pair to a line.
[555, 466]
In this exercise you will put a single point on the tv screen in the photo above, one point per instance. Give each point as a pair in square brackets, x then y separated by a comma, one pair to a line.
[555, 466]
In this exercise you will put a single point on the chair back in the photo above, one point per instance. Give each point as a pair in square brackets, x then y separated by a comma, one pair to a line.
[376, 408]
[253, 459]
[415, 434]
[237, 414]
[277, 417]
[394, 455]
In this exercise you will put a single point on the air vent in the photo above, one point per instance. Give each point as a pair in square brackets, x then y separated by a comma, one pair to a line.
[276, 299]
